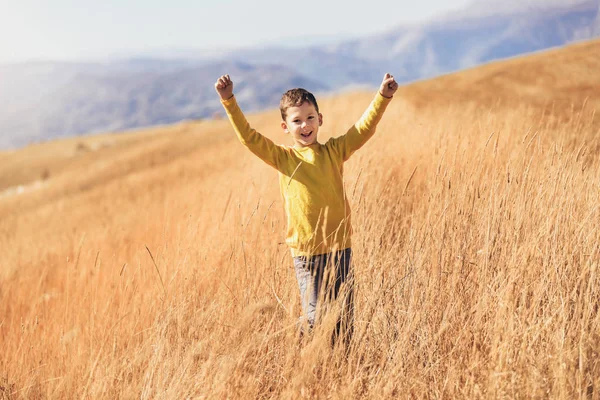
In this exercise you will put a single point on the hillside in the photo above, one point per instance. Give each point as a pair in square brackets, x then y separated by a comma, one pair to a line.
[560, 81]
[151, 265]
[556, 79]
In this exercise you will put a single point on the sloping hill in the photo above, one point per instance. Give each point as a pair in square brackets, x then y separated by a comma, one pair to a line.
[152, 264]
[556, 80]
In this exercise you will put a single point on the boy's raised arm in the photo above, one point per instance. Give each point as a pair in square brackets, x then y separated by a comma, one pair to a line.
[364, 128]
[261, 146]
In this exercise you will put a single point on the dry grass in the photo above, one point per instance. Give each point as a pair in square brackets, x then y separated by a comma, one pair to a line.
[153, 268]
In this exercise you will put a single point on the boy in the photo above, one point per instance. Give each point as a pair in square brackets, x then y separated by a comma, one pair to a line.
[311, 184]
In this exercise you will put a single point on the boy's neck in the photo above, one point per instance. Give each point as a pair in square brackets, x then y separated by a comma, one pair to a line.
[299, 146]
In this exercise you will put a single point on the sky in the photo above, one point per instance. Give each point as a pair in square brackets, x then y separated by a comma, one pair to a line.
[79, 30]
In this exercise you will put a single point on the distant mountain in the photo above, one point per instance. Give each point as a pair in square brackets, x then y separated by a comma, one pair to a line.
[41, 101]
[76, 99]
[479, 34]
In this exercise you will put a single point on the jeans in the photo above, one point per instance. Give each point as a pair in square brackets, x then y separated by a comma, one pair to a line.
[324, 280]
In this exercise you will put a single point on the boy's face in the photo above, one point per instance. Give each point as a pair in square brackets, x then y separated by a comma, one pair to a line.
[303, 124]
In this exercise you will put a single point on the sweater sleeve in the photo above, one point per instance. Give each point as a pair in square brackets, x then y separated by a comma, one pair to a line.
[258, 144]
[362, 131]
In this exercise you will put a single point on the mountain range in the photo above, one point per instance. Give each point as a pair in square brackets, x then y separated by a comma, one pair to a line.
[45, 100]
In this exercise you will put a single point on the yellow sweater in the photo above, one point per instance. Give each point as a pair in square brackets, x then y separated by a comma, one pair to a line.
[310, 179]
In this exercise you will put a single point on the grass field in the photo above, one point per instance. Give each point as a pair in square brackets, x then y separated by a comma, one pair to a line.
[151, 265]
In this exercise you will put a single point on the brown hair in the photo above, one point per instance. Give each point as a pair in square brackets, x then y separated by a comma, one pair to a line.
[295, 98]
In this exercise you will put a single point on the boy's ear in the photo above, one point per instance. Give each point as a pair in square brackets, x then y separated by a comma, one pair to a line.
[284, 127]
[320, 119]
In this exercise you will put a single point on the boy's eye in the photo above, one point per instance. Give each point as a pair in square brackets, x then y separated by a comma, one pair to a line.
[311, 117]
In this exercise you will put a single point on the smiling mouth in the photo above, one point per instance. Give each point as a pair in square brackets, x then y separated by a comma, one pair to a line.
[306, 134]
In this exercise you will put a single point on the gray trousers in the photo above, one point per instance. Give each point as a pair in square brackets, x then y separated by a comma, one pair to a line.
[327, 279]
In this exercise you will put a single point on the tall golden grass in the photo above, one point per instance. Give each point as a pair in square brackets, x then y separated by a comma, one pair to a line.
[156, 269]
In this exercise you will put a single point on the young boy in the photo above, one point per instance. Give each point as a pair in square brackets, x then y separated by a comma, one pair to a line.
[311, 184]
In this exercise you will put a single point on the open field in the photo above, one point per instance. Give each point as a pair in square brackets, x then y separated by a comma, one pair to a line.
[151, 264]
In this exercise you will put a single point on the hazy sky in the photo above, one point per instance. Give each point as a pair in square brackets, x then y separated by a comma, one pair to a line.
[83, 29]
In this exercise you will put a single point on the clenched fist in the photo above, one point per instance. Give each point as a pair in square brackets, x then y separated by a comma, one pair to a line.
[224, 86]
[388, 86]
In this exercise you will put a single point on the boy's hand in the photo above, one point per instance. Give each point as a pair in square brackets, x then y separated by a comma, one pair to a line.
[224, 86]
[388, 86]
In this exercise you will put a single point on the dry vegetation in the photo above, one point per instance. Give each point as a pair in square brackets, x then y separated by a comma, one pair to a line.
[151, 265]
